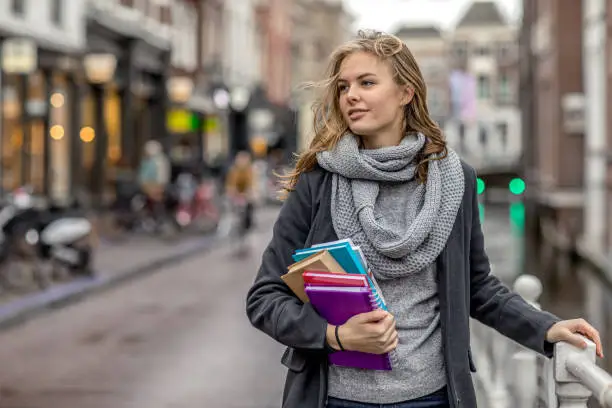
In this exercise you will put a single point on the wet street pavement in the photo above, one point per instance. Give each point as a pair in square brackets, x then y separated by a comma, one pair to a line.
[178, 338]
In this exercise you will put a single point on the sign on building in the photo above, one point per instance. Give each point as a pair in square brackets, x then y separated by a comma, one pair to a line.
[19, 56]
[573, 112]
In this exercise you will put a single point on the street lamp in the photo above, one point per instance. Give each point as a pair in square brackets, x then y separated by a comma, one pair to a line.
[239, 98]
[221, 98]
[100, 68]
[180, 89]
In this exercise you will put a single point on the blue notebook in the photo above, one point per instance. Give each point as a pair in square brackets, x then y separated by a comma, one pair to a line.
[343, 252]
[364, 262]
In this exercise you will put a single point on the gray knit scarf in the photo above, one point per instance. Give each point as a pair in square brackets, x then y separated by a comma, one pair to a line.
[433, 206]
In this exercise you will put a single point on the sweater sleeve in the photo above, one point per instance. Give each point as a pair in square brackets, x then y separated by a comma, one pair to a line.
[270, 305]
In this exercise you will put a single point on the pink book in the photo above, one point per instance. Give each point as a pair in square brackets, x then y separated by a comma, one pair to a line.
[321, 278]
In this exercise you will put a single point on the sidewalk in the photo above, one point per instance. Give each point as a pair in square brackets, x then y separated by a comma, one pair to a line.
[114, 263]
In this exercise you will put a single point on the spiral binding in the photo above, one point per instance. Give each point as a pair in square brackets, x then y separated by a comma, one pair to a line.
[376, 290]
[377, 302]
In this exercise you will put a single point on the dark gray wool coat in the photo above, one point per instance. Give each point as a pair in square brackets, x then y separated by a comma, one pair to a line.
[465, 286]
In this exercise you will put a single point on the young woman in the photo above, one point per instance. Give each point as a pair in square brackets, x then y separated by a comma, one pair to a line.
[379, 171]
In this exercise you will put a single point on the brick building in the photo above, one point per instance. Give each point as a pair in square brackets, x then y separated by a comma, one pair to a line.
[551, 72]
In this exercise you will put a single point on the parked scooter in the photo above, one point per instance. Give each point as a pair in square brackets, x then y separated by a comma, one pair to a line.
[61, 236]
[66, 239]
[20, 267]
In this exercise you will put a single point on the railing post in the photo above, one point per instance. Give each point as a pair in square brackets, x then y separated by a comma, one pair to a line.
[525, 381]
[525, 362]
[570, 391]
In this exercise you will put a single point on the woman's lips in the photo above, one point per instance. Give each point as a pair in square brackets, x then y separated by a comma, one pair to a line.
[357, 114]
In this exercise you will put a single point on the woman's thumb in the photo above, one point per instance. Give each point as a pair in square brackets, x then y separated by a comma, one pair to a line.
[373, 316]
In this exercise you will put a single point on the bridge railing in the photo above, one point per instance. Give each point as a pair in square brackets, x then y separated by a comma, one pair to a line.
[509, 375]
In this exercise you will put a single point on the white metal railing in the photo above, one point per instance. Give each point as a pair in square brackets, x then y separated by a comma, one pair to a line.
[509, 375]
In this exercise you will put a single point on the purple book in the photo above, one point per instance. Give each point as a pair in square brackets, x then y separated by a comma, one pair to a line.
[337, 305]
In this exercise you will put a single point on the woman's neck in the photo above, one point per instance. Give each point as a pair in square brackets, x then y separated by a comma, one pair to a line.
[381, 140]
[386, 137]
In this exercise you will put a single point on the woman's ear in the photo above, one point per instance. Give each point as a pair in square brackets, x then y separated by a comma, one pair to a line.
[407, 96]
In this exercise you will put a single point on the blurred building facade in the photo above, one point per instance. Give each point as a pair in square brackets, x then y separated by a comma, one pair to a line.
[483, 55]
[566, 73]
[242, 56]
[86, 84]
[41, 42]
[320, 26]
[431, 50]
[125, 99]
[552, 71]
[196, 124]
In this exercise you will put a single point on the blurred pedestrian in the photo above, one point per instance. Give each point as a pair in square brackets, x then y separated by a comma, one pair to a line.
[154, 176]
[239, 186]
[379, 172]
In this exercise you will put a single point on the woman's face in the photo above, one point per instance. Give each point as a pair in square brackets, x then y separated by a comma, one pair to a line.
[370, 100]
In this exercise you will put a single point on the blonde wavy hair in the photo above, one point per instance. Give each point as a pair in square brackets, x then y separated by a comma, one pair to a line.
[329, 124]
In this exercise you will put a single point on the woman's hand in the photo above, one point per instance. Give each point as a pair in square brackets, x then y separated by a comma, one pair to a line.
[373, 332]
[569, 331]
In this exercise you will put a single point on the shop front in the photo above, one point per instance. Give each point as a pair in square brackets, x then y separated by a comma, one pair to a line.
[36, 117]
[196, 125]
[125, 104]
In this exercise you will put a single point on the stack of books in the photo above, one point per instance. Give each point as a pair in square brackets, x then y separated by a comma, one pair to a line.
[335, 279]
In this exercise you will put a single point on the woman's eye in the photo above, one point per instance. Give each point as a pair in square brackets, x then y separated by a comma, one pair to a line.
[367, 83]
[342, 88]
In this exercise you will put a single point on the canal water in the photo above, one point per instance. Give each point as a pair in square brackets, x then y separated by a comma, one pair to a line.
[572, 288]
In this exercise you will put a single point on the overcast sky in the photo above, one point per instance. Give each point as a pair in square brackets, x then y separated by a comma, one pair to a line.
[386, 15]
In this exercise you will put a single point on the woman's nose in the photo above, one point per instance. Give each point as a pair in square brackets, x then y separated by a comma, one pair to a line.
[352, 94]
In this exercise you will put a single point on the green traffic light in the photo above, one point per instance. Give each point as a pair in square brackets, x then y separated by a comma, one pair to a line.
[517, 186]
[480, 185]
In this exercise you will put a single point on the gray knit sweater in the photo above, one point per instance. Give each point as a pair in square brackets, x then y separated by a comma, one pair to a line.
[417, 362]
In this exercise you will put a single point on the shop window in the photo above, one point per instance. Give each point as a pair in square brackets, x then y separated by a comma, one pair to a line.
[34, 144]
[112, 120]
[13, 132]
[59, 137]
[87, 136]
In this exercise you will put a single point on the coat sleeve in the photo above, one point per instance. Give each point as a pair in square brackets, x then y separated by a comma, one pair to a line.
[270, 305]
[493, 303]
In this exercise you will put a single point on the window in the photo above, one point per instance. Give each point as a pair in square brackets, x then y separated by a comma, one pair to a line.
[482, 50]
[461, 136]
[482, 133]
[56, 12]
[460, 49]
[502, 129]
[18, 7]
[484, 91]
[504, 87]
[503, 50]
